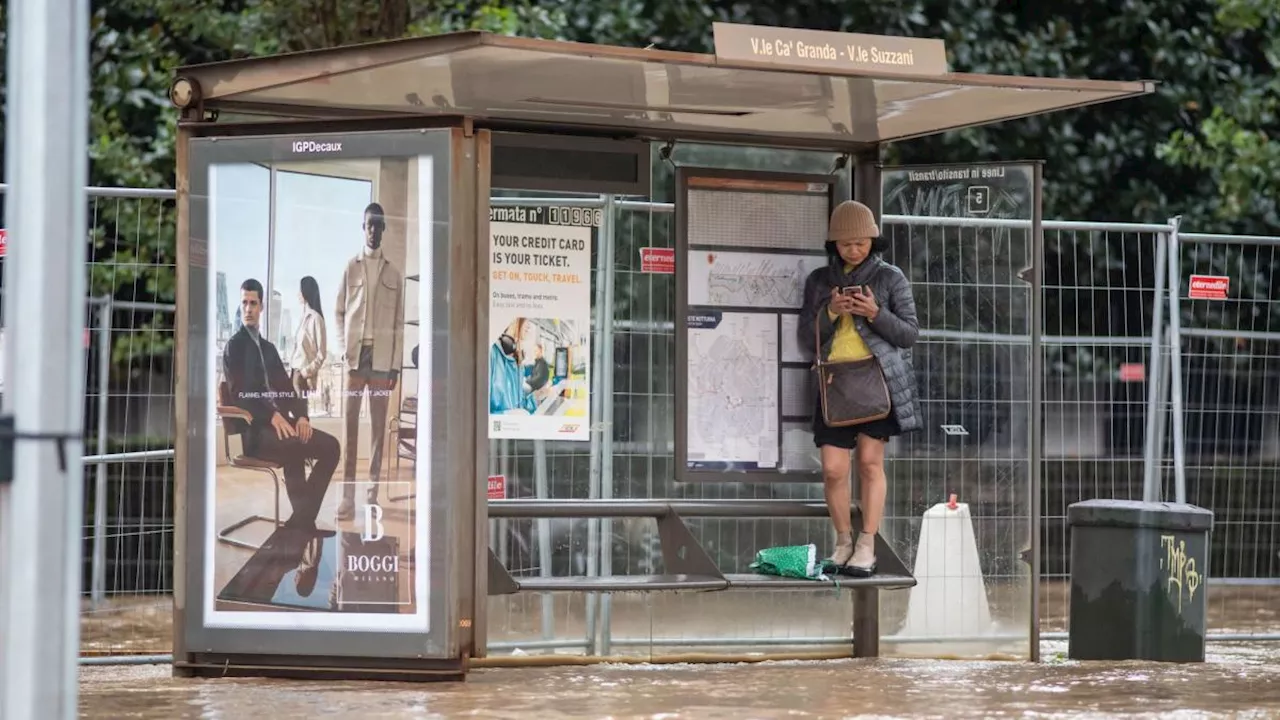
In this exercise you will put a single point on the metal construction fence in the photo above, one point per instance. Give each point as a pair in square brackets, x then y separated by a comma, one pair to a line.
[1156, 385]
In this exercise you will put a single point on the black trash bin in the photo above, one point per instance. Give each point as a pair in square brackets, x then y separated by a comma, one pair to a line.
[1139, 572]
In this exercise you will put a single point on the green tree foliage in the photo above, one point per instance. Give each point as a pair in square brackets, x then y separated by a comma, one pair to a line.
[1232, 141]
[1200, 147]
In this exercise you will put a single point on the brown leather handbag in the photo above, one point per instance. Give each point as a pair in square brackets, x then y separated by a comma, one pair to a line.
[851, 391]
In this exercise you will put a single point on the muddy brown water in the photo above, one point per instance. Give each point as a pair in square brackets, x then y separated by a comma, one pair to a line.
[1239, 680]
[144, 624]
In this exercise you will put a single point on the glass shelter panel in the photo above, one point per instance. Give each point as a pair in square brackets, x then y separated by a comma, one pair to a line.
[630, 453]
[963, 236]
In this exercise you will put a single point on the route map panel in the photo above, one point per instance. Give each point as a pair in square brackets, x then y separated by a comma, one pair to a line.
[747, 241]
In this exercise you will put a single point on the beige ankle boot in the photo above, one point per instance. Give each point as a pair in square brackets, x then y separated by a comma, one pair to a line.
[863, 562]
[843, 551]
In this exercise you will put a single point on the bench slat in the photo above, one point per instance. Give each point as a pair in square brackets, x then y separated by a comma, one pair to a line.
[621, 583]
[746, 581]
[773, 582]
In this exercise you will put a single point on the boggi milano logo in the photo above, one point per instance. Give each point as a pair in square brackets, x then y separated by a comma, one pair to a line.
[372, 536]
[311, 146]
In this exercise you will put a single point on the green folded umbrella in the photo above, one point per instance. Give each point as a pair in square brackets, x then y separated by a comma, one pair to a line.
[794, 561]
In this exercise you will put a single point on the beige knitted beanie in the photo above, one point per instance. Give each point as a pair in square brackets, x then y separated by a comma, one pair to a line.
[852, 219]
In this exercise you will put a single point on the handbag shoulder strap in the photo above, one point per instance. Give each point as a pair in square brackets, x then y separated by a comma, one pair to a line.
[817, 337]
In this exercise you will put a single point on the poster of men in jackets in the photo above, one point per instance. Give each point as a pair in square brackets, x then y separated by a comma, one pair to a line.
[317, 499]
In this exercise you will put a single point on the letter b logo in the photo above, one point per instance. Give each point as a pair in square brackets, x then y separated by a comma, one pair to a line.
[373, 529]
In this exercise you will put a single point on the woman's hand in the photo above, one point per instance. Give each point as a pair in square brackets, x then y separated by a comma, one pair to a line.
[865, 305]
[840, 304]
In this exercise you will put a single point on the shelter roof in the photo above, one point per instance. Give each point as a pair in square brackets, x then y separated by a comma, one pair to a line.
[645, 92]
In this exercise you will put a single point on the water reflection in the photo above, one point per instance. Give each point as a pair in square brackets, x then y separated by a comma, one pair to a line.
[1238, 681]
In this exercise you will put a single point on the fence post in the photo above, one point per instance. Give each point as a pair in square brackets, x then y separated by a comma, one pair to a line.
[504, 525]
[541, 491]
[595, 477]
[1153, 445]
[99, 564]
[605, 421]
[1175, 362]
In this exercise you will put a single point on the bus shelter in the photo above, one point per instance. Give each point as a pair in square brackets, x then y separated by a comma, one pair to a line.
[397, 265]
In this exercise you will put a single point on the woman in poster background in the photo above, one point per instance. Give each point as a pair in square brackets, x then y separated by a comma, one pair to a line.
[311, 344]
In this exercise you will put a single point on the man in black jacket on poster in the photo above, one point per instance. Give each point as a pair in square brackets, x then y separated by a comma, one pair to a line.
[281, 430]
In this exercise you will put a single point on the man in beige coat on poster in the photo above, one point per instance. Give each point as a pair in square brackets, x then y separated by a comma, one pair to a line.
[370, 315]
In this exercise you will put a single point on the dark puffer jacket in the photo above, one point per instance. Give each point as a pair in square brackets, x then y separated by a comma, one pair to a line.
[889, 338]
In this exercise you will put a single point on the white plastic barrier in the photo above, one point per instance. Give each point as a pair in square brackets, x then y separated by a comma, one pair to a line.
[948, 605]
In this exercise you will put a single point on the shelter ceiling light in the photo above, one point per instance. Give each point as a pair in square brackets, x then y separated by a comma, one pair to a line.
[184, 93]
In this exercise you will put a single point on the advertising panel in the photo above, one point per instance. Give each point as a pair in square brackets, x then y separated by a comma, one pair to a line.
[540, 322]
[316, 507]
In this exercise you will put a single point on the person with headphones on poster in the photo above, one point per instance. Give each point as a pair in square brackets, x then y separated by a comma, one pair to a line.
[507, 391]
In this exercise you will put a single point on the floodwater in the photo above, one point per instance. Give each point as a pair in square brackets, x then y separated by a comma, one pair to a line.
[1237, 681]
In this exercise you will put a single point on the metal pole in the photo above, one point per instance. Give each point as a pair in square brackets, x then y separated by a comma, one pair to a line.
[542, 492]
[605, 422]
[1036, 444]
[1175, 363]
[99, 582]
[504, 525]
[597, 413]
[41, 511]
[1153, 443]
[493, 467]
[1162, 417]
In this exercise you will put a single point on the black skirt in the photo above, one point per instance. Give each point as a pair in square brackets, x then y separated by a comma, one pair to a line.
[847, 437]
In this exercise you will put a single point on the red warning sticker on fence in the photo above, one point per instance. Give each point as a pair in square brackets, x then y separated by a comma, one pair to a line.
[1133, 372]
[4, 241]
[497, 487]
[1209, 287]
[658, 260]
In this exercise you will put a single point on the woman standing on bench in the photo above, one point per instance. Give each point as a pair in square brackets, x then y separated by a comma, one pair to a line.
[860, 318]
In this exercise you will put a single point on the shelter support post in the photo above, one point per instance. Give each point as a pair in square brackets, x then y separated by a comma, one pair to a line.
[181, 404]
[866, 622]
[470, 156]
[866, 600]
[1035, 443]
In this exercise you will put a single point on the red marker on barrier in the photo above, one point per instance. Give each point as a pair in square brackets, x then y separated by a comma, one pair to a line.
[951, 504]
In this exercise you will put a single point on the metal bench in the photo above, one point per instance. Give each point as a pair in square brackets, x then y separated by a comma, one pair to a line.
[687, 565]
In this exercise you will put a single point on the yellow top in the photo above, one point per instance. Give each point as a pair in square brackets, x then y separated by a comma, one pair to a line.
[847, 343]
